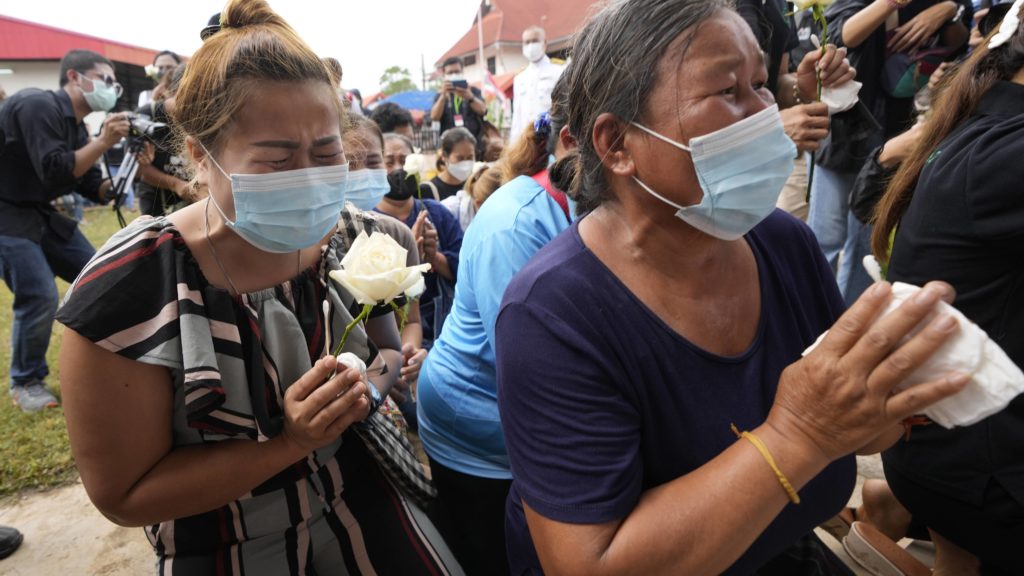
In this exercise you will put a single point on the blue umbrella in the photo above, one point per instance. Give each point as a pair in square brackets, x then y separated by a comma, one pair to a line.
[413, 99]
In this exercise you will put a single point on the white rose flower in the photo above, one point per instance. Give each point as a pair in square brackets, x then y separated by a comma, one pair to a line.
[414, 164]
[805, 4]
[374, 270]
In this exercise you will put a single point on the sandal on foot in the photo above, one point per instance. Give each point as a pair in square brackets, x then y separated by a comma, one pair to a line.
[879, 555]
[838, 526]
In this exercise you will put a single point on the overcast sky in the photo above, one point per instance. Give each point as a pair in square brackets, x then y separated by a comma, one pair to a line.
[366, 36]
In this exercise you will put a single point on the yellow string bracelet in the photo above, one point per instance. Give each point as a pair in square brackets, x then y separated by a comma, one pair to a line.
[793, 496]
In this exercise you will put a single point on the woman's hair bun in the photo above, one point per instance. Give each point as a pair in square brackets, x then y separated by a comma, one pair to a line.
[241, 13]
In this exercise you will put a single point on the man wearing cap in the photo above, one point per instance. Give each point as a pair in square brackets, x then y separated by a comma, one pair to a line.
[46, 153]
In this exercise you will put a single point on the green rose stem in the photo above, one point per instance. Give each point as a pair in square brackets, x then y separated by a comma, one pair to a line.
[403, 314]
[348, 329]
[818, 13]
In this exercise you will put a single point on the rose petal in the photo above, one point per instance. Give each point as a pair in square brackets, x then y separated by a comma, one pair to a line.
[417, 289]
[360, 296]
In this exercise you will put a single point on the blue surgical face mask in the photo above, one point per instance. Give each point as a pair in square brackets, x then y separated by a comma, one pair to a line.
[742, 169]
[285, 211]
[365, 188]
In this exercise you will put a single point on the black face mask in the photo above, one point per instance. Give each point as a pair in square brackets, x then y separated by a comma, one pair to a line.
[403, 186]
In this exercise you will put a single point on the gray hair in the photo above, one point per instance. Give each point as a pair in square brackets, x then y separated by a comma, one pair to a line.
[615, 64]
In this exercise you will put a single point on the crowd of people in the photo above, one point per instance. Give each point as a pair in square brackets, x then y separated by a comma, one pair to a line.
[608, 364]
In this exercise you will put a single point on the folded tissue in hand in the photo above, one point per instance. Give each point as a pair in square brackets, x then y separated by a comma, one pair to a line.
[995, 379]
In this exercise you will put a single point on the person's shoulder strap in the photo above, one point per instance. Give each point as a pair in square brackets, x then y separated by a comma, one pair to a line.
[544, 180]
[433, 190]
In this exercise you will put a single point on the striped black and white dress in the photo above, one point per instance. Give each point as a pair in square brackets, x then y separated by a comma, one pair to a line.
[144, 297]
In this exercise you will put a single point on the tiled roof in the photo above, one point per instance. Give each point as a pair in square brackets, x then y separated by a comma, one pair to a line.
[507, 19]
[22, 40]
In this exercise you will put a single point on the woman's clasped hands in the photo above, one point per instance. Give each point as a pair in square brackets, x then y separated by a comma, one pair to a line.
[842, 397]
[318, 407]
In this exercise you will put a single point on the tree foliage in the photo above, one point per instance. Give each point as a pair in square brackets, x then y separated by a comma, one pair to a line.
[396, 79]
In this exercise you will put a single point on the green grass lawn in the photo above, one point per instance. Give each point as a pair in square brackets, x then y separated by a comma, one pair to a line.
[34, 451]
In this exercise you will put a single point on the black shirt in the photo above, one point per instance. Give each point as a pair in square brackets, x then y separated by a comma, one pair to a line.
[164, 158]
[471, 120]
[895, 115]
[774, 30]
[37, 163]
[965, 225]
[444, 189]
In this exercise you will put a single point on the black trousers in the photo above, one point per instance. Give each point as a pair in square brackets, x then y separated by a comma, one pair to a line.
[994, 532]
[469, 511]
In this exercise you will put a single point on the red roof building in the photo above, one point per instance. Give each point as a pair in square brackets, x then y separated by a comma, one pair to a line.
[22, 40]
[30, 56]
[503, 24]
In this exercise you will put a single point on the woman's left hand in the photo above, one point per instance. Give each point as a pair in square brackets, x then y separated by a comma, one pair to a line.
[835, 71]
[429, 245]
[146, 155]
[913, 34]
[412, 361]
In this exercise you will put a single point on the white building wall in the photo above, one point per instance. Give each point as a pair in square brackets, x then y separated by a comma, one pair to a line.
[35, 74]
[42, 74]
[508, 58]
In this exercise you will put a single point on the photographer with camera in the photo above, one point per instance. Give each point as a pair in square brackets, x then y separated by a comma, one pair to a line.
[47, 153]
[163, 64]
[163, 184]
[458, 105]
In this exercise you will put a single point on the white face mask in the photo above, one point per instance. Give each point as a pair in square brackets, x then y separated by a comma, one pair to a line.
[533, 51]
[742, 169]
[454, 76]
[461, 170]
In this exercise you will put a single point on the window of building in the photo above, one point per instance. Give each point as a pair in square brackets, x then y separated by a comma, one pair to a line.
[491, 65]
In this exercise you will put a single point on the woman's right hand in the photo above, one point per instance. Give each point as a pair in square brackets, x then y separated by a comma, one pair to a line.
[318, 410]
[921, 28]
[841, 396]
[806, 125]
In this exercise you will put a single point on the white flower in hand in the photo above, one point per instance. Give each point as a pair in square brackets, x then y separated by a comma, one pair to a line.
[805, 4]
[374, 271]
[350, 360]
[414, 164]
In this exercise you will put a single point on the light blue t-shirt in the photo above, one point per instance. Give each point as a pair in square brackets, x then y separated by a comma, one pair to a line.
[457, 395]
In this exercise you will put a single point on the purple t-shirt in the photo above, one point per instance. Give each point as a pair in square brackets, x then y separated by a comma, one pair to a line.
[600, 400]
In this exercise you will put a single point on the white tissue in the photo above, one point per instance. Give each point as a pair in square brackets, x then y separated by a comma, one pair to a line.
[841, 98]
[350, 360]
[995, 379]
[1008, 27]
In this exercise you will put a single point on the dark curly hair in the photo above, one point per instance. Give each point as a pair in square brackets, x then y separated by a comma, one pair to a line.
[389, 116]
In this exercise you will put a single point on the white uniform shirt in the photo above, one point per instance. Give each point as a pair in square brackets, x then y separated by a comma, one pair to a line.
[532, 94]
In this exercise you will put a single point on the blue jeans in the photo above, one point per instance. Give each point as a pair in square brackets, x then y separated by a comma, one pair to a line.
[28, 269]
[838, 230]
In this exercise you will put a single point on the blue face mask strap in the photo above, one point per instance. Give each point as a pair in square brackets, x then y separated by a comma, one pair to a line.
[658, 196]
[210, 156]
[660, 137]
[210, 195]
[667, 141]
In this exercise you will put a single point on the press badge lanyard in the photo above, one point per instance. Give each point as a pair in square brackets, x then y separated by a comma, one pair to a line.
[457, 112]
